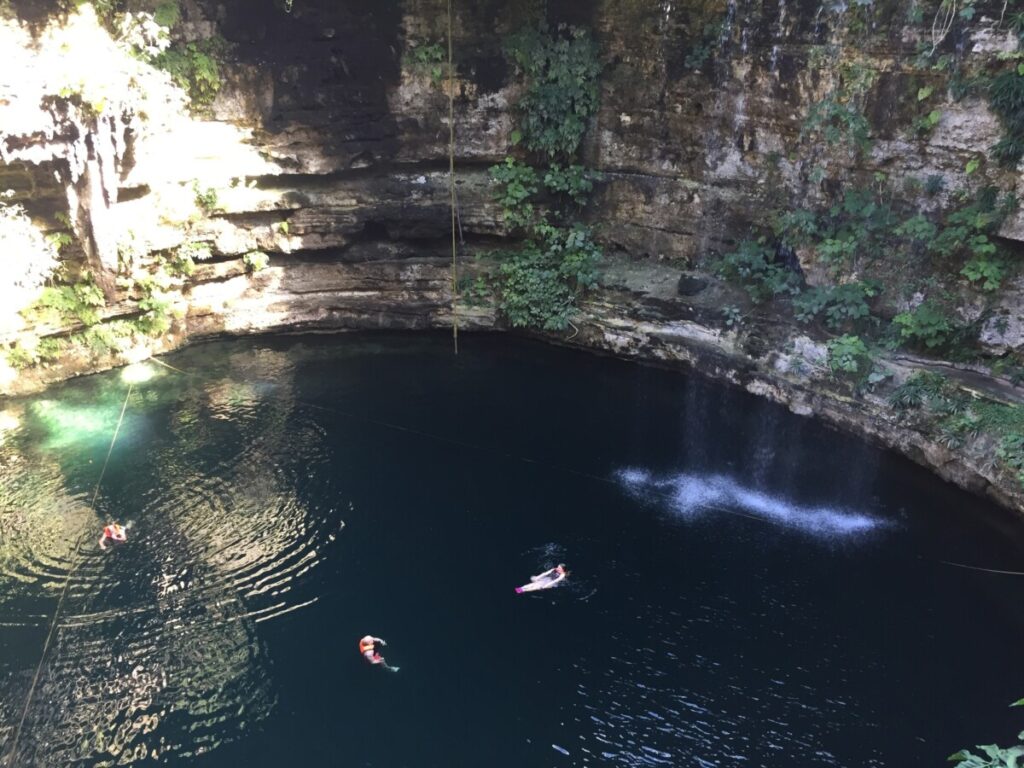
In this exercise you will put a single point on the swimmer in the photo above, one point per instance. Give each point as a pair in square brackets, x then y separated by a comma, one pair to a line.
[368, 649]
[115, 532]
[544, 580]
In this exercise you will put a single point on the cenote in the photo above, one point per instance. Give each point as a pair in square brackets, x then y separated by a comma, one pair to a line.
[747, 587]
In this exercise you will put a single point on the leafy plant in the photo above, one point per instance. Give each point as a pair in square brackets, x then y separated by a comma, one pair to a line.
[167, 13]
[920, 389]
[255, 261]
[988, 272]
[841, 304]
[732, 315]
[926, 324]
[542, 281]
[994, 756]
[156, 303]
[752, 265]
[206, 199]
[1006, 97]
[60, 305]
[575, 181]
[967, 234]
[518, 183]
[561, 71]
[193, 66]
[429, 58]
[848, 354]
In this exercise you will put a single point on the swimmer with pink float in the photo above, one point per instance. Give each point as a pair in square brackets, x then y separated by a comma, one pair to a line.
[544, 580]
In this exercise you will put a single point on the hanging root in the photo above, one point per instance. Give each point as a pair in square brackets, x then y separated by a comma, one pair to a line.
[947, 13]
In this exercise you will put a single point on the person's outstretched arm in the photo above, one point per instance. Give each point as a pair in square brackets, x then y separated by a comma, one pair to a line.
[540, 576]
[103, 540]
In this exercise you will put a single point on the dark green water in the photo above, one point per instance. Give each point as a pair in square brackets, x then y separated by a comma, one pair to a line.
[747, 587]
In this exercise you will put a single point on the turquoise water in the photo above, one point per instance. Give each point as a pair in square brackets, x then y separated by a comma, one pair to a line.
[747, 587]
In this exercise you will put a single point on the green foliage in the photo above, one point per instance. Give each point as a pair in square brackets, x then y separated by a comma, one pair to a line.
[848, 354]
[994, 756]
[193, 66]
[561, 95]
[65, 304]
[988, 272]
[858, 225]
[841, 304]
[701, 52]
[927, 324]
[1006, 97]
[923, 388]
[732, 315]
[475, 291]
[255, 261]
[156, 303]
[967, 235]
[518, 183]
[206, 199]
[24, 355]
[182, 262]
[1011, 453]
[167, 14]
[428, 58]
[925, 124]
[105, 337]
[60, 240]
[752, 265]
[575, 181]
[542, 281]
[834, 123]
[20, 356]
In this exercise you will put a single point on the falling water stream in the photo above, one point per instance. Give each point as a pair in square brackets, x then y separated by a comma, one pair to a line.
[747, 587]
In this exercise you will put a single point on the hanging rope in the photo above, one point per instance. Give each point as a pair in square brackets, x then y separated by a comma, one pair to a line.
[67, 583]
[451, 182]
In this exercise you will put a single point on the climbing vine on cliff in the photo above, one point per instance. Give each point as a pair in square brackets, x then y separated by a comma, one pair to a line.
[540, 281]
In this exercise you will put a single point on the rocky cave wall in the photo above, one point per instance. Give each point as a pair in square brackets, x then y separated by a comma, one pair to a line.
[327, 149]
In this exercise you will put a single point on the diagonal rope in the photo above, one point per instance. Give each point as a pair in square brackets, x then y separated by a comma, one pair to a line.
[451, 181]
[67, 583]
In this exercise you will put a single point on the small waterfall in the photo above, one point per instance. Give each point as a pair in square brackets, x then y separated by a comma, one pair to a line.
[779, 33]
[695, 432]
[763, 443]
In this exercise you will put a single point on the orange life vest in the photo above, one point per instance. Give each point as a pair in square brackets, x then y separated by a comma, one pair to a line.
[366, 645]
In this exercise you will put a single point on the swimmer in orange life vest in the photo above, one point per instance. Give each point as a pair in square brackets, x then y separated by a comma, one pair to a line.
[115, 532]
[368, 649]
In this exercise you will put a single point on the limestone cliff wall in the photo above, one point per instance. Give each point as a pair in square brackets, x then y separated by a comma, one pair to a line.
[327, 149]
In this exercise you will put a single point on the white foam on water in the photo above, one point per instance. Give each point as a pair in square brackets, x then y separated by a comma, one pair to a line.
[692, 494]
